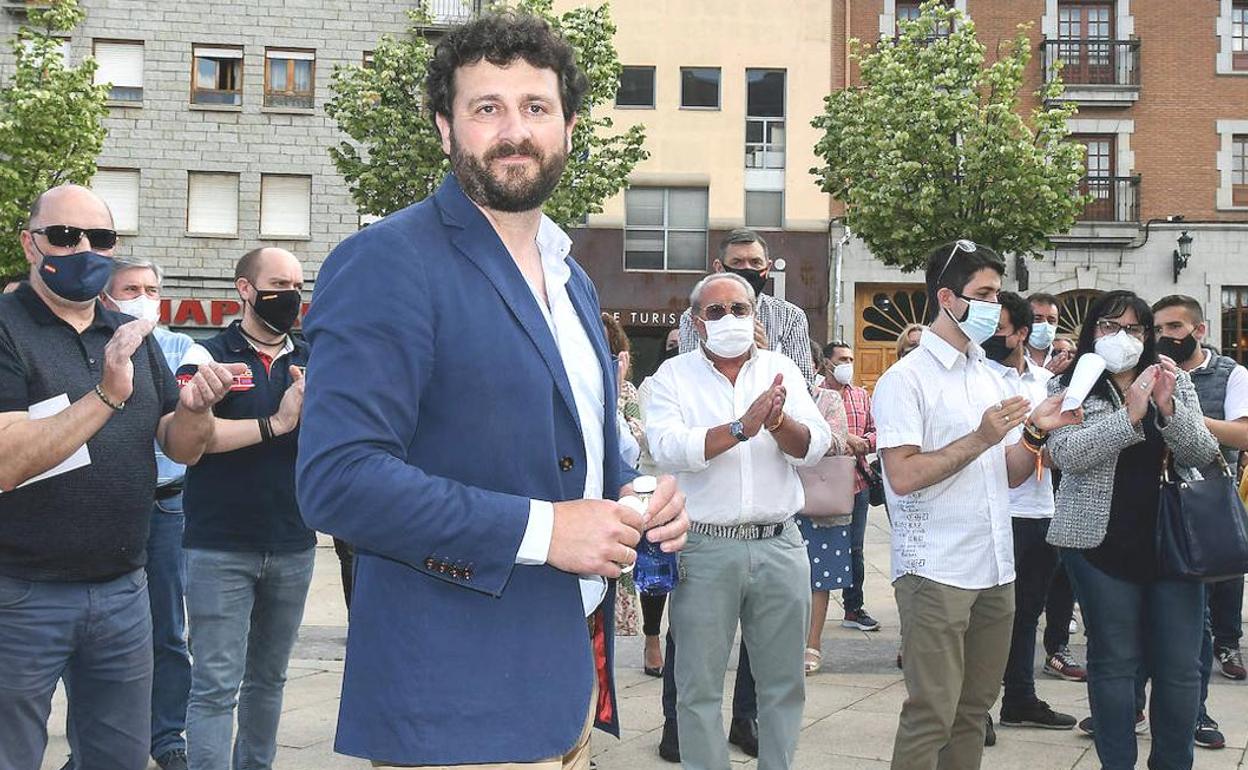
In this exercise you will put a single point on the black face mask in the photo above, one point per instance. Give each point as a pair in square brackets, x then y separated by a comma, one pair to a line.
[754, 278]
[995, 349]
[1180, 350]
[278, 310]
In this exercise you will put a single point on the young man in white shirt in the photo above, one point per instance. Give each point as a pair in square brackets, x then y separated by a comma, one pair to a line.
[941, 416]
[1031, 510]
[732, 421]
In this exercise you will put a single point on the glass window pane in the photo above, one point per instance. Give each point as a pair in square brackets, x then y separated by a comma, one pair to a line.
[643, 206]
[699, 87]
[686, 209]
[764, 209]
[764, 93]
[636, 87]
[303, 75]
[754, 130]
[205, 73]
[277, 74]
[686, 251]
[643, 250]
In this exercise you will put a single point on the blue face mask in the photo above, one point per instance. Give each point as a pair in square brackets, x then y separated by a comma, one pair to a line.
[76, 277]
[981, 319]
[1042, 335]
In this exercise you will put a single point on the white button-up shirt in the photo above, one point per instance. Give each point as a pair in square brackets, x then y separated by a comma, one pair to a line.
[585, 376]
[752, 483]
[1033, 499]
[957, 531]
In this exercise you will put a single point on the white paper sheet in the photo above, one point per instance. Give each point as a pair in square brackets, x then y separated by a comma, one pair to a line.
[1086, 373]
[80, 458]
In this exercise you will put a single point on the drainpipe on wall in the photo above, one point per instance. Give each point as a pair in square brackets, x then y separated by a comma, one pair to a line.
[836, 261]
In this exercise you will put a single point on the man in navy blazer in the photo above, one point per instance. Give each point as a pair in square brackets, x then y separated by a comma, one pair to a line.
[459, 431]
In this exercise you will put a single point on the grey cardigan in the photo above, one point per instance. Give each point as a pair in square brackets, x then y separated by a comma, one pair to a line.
[1087, 456]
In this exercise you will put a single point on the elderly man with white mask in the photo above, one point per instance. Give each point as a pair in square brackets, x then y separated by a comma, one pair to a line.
[733, 422]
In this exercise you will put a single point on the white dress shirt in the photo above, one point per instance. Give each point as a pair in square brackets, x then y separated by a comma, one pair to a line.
[752, 483]
[1033, 499]
[585, 376]
[957, 531]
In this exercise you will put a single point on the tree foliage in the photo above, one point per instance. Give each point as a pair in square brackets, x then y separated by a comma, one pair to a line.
[51, 114]
[394, 156]
[931, 147]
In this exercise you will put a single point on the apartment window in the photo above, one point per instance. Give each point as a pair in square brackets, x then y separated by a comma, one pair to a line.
[1239, 170]
[1235, 322]
[764, 209]
[121, 66]
[909, 11]
[212, 203]
[285, 206]
[764, 118]
[636, 87]
[119, 188]
[665, 228]
[217, 77]
[699, 87]
[1239, 35]
[289, 79]
[368, 60]
[62, 47]
[1099, 179]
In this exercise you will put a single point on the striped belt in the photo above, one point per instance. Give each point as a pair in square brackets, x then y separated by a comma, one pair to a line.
[739, 531]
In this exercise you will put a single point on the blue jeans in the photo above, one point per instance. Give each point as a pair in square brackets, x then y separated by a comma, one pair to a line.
[171, 674]
[244, 610]
[852, 596]
[98, 636]
[1155, 626]
[1226, 609]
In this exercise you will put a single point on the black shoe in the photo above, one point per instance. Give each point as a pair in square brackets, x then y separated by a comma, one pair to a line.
[744, 734]
[990, 734]
[669, 744]
[1208, 736]
[174, 759]
[1036, 714]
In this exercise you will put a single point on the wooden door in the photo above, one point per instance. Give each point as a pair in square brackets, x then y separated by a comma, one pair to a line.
[1088, 28]
[882, 311]
[1099, 181]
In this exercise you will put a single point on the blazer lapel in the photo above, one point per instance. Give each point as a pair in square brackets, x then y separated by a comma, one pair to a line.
[472, 234]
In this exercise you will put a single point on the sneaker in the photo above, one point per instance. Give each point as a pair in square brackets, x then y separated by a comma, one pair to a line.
[990, 733]
[1232, 663]
[174, 759]
[1063, 666]
[861, 620]
[1141, 724]
[1208, 736]
[1036, 714]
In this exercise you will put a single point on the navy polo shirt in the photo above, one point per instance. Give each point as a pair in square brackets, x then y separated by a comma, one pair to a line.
[90, 524]
[245, 500]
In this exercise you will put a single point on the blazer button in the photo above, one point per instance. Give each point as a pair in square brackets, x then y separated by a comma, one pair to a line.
[565, 464]
[430, 564]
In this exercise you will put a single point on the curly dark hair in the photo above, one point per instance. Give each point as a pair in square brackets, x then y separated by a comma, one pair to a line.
[501, 38]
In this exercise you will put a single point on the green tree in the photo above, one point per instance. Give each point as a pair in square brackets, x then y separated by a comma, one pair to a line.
[931, 147]
[51, 121]
[394, 157]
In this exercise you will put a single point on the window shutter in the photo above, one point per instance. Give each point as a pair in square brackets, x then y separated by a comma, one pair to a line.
[212, 203]
[120, 64]
[285, 206]
[120, 190]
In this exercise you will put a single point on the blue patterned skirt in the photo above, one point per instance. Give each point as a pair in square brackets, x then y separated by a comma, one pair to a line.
[828, 550]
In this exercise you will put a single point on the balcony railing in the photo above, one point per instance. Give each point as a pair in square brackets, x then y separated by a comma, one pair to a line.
[1094, 62]
[445, 13]
[1114, 199]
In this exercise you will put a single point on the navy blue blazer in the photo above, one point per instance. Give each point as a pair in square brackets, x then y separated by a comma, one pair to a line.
[437, 406]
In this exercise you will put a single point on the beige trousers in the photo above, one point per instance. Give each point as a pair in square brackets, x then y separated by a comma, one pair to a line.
[954, 646]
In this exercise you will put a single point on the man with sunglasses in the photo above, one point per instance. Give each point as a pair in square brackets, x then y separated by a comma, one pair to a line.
[942, 417]
[732, 421]
[73, 594]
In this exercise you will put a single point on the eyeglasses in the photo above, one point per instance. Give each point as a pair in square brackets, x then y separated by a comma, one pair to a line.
[961, 244]
[1110, 328]
[67, 236]
[717, 311]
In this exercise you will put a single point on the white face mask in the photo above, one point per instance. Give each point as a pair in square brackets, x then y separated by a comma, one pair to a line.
[141, 306]
[730, 336]
[1042, 335]
[843, 373]
[1121, 351]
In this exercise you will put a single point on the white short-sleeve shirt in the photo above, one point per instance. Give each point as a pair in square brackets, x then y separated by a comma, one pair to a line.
[956, 532]
[1033, 499]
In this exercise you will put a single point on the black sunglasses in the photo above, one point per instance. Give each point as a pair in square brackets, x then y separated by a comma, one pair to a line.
[717, 311]
[67, 236]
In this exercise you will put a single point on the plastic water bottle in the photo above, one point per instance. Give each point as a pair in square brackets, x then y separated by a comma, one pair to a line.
[655, 573]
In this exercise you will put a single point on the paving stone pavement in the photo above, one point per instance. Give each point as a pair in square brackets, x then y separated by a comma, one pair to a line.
[851, 704]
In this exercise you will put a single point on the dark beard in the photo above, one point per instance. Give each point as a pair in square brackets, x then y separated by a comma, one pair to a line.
[515, 192]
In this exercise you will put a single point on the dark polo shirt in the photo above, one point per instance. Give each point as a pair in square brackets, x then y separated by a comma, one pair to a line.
[91, 523]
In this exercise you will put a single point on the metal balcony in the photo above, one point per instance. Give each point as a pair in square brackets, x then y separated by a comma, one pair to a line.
[1095, 72]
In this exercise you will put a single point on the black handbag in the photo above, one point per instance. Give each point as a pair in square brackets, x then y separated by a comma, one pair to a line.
[875, 483]
[1202, 528]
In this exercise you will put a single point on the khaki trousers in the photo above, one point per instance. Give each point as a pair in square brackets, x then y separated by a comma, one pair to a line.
[577, 757]
[955, 643]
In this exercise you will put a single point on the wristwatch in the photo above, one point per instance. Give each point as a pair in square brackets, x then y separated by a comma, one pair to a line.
[737, 429]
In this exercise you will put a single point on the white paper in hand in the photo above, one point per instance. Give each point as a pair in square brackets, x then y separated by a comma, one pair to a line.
[1086, 373]
[81, 457]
